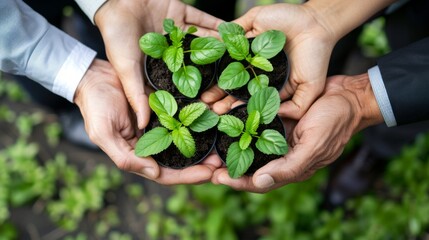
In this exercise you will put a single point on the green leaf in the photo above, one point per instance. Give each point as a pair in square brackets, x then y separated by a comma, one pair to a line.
[163, 102]
[206, 121]
[205, 50]
[190, 112]
[267, 102]
[153, 142]
[262, 63]
[226, 28]
[173, 57]
[233, 76]
[153, 44]
[188, 81]
[237, 46]
[168, 121]
[176, 37]
[184, 141]
[238, 160]
[245, 140]
[252, 122]
[168, 25]
[231, 125]
[269, 43]
[192, 29]
[272, 142]
[258, 83]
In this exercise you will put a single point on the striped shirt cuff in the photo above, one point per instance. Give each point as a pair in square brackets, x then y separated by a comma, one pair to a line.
[381, 96]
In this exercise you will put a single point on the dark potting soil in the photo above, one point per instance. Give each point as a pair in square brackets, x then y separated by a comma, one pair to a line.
[162, 78]
[224, 141]
[172, 158]
[277, 77]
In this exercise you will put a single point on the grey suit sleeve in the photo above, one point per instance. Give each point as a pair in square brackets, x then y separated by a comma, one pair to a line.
[30, 46]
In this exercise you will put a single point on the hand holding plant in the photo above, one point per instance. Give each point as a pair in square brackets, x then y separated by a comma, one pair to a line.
[203, 50]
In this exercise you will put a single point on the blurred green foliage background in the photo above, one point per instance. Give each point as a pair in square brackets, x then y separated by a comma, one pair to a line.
[397, 209]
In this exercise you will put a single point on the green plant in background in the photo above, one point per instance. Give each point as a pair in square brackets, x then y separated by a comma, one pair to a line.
[194, 116]
[203, 50]
[293, 212]
[373, 39]
[262, 108]
[53, 184]
[264, 47]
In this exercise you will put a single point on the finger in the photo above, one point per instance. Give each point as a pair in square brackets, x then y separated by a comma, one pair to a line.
[286, 92]
[301, 101]
[246, 21]
[237, 103]
[221, 176]
[224, 105]
[122, 154]
[191, 175]
[290, 168]
[213, 160]
[132, 82]
[212, 95]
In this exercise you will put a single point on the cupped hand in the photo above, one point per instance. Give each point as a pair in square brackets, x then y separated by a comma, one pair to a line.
[309, 45]
[122, 23]
[346, 106]
[111, 125]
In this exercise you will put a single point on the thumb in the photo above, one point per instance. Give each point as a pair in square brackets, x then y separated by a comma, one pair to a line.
[246, 21]
[134, 89]
[292, 167]
[302, 99]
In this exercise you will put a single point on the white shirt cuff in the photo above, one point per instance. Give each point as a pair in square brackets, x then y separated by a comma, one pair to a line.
[72, 71]
[381, 96]
[90, 7]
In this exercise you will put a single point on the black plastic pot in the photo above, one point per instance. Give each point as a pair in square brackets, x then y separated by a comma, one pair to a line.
[171, 157]
[223, 141]
[161, 78]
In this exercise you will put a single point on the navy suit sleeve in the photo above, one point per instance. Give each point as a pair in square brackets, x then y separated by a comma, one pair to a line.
[405, 75]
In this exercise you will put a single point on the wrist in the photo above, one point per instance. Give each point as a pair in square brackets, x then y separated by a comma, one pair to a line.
[90, 74]
[369, 112]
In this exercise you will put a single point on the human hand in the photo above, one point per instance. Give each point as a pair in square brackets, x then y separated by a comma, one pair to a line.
[309, 45]
[122, 23]
[111, 125]
[346, 106]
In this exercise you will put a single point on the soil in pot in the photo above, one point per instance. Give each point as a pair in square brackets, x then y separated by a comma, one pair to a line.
[161, 78]
[223, 141]
[171, 157]
[277, 77]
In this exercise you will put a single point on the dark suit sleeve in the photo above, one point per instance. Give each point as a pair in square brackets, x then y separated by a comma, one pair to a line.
[405, 74]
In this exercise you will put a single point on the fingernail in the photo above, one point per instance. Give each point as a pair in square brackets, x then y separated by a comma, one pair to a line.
[264, 181]
[149, 172]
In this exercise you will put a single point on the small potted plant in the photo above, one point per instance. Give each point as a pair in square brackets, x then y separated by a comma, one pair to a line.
[251, 64]
[252, 135]
[182, 58]
[184, 127]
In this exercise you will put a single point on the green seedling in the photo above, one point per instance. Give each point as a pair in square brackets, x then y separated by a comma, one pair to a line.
[194, 116]
[264, 47]
[262, 109]
[203, 50]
